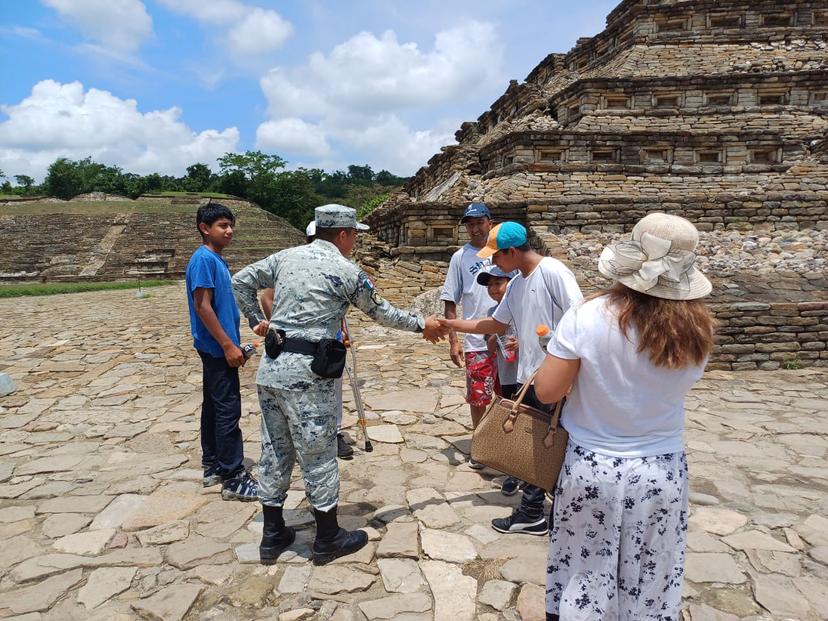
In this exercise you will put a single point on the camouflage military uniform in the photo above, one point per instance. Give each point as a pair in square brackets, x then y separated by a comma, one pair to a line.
[314, 286]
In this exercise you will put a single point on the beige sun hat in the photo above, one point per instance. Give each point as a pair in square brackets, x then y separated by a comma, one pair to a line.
[659, 260]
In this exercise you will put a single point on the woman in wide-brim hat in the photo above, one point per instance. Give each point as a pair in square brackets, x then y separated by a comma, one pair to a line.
[630, 354]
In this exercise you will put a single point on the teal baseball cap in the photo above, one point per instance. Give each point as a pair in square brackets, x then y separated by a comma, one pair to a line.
[503, 236]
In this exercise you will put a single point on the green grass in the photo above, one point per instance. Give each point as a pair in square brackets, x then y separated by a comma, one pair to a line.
[51, 288]
[791, 364]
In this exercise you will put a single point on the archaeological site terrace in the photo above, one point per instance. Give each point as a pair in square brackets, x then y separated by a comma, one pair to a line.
[102, 237]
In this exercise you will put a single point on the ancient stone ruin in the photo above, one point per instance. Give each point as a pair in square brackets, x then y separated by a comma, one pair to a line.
[99, 237]
[713, 110]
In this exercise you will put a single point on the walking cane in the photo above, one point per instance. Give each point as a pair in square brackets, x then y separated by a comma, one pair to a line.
[352, 377]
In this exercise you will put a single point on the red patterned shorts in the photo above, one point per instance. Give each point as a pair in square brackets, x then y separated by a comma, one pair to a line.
[481, 368]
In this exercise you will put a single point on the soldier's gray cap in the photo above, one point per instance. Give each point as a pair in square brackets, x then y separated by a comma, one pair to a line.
[335, 216]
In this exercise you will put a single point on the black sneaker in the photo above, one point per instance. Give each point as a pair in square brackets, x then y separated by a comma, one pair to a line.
[520, 523]
[211, 476]
[242, 487]
[343, 449]
[511, 485]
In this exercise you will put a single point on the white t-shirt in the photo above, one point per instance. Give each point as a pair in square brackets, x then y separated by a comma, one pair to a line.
[461, 286]
[621, 405]
[540, 298]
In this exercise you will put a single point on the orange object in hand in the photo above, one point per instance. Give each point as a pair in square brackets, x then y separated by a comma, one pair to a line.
[544, 335]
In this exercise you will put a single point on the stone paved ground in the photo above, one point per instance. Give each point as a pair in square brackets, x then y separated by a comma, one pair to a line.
[102, 514]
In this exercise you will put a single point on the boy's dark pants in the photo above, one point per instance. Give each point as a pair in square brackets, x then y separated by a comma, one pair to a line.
[221, 437]
[531, 503]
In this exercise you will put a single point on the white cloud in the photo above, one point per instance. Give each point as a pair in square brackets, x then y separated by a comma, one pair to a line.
[64, 120]
[376, 74]
[211, 11]
[251, 31]
[120, 25]
[293, 135]
[261, 31]
[387, 142]
[288, 97]
[356, 95]
[381, 73]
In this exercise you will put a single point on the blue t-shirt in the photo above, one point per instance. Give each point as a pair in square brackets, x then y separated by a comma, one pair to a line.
[207, 270]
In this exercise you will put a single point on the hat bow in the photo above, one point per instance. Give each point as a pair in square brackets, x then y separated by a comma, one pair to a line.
[648, 260]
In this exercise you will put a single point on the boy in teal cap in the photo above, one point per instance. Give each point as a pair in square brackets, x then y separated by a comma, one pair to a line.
[543, 291]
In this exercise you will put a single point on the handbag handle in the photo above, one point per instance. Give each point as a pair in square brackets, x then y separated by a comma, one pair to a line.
[549, 438]
[523, 390]
[509, 423]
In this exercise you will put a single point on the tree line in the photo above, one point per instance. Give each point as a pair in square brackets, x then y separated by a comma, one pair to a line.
[253, 175]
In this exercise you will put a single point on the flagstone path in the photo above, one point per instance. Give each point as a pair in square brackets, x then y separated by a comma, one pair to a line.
[103, 516]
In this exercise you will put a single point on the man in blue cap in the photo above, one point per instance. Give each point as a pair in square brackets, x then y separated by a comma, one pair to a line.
[314, 285]
[461, 286]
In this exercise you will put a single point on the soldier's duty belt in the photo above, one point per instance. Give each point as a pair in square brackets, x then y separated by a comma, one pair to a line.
[300, 346]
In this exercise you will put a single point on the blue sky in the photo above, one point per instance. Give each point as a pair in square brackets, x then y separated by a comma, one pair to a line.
[155, 85]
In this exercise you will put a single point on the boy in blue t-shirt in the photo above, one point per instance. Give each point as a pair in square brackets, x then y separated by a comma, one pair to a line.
[214, 323]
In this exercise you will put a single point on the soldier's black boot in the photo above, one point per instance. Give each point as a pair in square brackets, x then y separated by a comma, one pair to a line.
[332, 541]
[276, 537]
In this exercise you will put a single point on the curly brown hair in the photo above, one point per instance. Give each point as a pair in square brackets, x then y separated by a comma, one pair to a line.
[673, 333]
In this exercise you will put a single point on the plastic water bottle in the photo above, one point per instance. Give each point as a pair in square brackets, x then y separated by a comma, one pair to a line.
[544, 335]
[508, 356]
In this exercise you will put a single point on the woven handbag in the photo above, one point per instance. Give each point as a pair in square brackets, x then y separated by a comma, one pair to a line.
[521, 441]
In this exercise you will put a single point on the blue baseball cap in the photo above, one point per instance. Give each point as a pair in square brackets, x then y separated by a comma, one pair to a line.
[504, 235]
[476, 210]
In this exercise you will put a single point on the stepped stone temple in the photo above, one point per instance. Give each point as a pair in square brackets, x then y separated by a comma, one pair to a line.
[715, 110]
[99, 237]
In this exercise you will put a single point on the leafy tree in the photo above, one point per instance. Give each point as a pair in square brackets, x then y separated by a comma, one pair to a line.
[24, 181]
[63, 179]
[360, 174]
[293, 198]
[254, 164]
[254, 175]
[384, 177]
[199, 178]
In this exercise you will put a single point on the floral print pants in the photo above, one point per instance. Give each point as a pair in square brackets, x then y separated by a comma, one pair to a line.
[616, 550]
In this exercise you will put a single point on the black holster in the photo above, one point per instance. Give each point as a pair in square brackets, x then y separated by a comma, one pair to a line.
[329, 359]
[274, 342]
[328, 354]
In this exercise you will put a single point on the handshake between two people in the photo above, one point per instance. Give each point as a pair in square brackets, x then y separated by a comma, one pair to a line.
[435, 330]
[438, 328]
